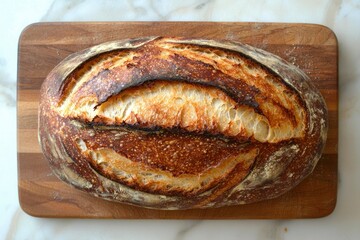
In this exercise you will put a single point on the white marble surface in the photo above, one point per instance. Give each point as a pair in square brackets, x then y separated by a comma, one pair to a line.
[341, 16]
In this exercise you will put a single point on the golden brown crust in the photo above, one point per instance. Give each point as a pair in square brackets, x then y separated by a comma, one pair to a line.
[180, 123]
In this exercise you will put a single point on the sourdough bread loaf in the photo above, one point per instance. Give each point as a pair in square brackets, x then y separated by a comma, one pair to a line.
[174, 123]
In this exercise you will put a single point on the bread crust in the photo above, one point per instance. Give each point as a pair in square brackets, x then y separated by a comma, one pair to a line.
[175, 123]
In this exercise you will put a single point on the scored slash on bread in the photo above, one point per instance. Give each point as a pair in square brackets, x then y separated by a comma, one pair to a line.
[174, 123]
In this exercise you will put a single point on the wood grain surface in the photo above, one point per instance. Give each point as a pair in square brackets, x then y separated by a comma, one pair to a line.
[42, 46]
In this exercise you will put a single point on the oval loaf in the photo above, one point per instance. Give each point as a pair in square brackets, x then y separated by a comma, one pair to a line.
[174, 123]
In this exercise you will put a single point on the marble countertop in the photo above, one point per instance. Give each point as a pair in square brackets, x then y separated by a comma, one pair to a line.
[342, 16]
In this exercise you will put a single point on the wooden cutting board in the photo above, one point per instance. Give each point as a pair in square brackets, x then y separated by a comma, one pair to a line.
[42, 46]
